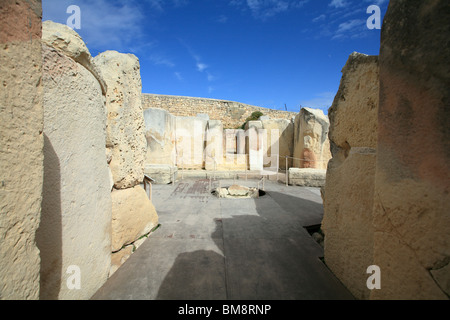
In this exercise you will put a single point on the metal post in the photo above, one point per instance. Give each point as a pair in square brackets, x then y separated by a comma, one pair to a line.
[287, 172]
[278, 165]
[245, 167]
[182, 171]
[151, 191]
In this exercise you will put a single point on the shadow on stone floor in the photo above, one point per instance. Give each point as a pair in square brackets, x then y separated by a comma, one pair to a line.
[266, 256]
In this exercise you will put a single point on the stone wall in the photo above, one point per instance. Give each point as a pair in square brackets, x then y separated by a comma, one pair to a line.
[21, 147]
[350, 177]
[386, 197]
[232, 114]
[412, 182]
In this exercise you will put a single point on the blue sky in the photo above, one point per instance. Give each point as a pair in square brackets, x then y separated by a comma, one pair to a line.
[268, 53]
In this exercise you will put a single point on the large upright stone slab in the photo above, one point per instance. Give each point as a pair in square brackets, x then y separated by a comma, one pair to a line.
[412, 202]
[255, 138]
[214, 145]
[75, 228]
[349, 189]
[21, 147]
[311, 143]
[160, 135]
[125, 125]
[190, 140]
[279, 143]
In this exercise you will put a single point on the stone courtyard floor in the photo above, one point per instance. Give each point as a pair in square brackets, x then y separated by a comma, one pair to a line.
[228, 249]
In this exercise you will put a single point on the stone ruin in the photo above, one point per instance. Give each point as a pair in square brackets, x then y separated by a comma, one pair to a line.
[76, 143]
[300, 145]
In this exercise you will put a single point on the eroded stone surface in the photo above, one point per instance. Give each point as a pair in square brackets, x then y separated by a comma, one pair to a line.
[349, 189]
[133, 215]
[125, 118]
[311, 143]
[21, 147]
[160, 135]
[237, 192]
[412, 203]
[75, 228]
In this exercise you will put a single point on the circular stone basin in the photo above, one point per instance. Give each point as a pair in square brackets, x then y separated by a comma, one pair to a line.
[237, 192]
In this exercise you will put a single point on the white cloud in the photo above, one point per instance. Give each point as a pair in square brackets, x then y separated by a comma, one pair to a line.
[222, 19]
[210, 76]
[376, 2]
[160, 60]
[319, 18]
[160, 5]
[178, 76]
[104, 24]
[201, 66]
[338, 3]
[265, 9]
[353, 28]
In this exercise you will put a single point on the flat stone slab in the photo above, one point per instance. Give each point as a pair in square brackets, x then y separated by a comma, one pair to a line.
[208, 248]
[160, 173]
[307, 177]
[237, 192]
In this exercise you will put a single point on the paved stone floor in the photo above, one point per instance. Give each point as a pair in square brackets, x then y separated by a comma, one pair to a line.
[225, 249]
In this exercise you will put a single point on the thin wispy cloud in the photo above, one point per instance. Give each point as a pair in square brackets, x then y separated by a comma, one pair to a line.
[322, 17]
[162, 5]
[178, 76]
[339, 3]
[210, 77]
[201, 66]
[265, 9]
[159, 60]
[105, 25]
[344, 19]
[222, 19]
[376, 2]
[352, 28]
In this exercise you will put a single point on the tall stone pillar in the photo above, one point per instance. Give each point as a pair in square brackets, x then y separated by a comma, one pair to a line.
[412, 184]
[21, 147]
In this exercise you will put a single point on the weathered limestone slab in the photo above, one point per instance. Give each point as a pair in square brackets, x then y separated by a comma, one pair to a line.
[190, 138]
[125, 119]
[70, 44]
[240, 141]
[21, 147]
[214, 145]
[412, 184]
[307, 177]
[160, 135]
[161, 173]
[237, 192]
[349, 189]
[230, 142]
[311, 143]
[255, 135]
[279, 142]
[133, 215]
[75, 228]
